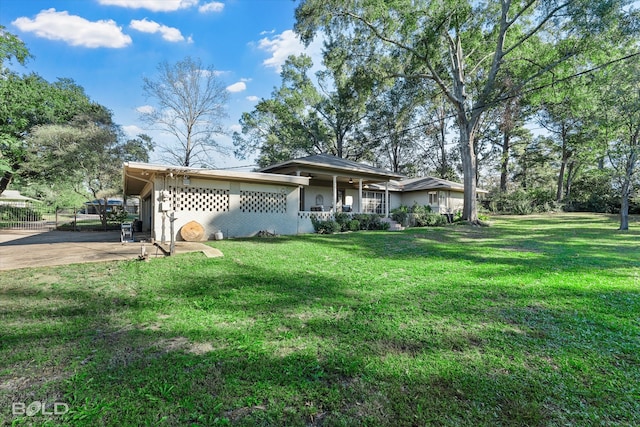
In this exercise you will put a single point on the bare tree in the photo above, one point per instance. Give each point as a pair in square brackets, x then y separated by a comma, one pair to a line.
[190, 105]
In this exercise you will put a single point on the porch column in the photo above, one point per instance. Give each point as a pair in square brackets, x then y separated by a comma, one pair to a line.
[335, 194]
[300, 201]
[360, 195]
[386, 199]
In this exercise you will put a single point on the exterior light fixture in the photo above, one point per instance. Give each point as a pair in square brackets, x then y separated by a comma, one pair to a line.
[186, 181]
[350, 180]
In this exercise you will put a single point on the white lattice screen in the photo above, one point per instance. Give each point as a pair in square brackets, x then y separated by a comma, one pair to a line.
[260, 202]
[196, 199]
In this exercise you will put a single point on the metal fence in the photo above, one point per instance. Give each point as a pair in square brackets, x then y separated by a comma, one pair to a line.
[38, 216]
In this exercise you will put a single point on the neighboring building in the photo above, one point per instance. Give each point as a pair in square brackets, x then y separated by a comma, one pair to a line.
[15, 199]
[280, 198]
[95, 206]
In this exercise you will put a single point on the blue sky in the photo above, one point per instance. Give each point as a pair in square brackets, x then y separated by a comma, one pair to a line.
[108, 46]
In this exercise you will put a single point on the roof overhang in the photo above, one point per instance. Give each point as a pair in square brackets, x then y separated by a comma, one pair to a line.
[138, 175]
[325, 167]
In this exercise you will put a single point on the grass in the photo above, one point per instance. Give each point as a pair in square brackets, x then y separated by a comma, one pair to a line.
[531, 321]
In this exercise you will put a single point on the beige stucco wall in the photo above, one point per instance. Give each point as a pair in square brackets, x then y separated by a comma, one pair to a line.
[448, 201]
[238, 209]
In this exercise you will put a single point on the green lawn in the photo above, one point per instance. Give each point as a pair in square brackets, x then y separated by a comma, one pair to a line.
[531, 321]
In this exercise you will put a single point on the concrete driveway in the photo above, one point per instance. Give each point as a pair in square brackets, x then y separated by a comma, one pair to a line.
[23, 249]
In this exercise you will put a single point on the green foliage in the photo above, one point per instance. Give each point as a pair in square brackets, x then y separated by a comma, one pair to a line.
[303, 118]
[354, 225]
[11, 213]
[592, 192]
[343, 219]
[118, 215]
[400, 214]
[522, 202]
[430, 219]
[371, 222]
[422, 216]
[328, 226]
[11, 47]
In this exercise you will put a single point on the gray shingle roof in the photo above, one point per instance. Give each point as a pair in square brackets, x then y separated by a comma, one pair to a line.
[327, 161]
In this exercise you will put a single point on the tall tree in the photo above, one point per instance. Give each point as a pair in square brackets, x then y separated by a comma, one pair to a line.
[31, 101]
[303, 118]
[87, 153]
[189, 104]
[392, 126]
[438, 151]
[464, 47]
[287, 125]
[620, 117]
[11, 48]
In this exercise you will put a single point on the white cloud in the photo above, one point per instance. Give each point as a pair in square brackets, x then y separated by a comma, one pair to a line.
[153, 5]
[214, 6]
[235, 128]
[283, 45]
[168, 33]
[74, 29]
[237, 87]
[132, 130]
[145, 109]
[252, 98]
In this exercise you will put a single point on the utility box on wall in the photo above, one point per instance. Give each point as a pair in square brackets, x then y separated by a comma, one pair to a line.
[165, 201]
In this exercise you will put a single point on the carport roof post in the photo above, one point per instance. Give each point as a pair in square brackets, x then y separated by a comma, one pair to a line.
[137, 175]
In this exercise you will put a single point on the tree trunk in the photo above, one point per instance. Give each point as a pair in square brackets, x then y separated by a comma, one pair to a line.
[5, 180]
[572, 172]
[103, 213]
[626, 187]
[504, 165]
[624, 208]
[469, 210]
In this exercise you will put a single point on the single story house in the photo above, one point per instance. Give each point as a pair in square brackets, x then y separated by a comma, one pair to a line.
[95, 206]
[15, 199]
[280, 198]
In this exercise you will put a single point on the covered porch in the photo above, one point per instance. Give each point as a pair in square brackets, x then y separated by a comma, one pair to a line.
[339, 185]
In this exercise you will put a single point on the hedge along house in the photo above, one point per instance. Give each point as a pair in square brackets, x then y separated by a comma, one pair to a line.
[238, 204]
[442, 196]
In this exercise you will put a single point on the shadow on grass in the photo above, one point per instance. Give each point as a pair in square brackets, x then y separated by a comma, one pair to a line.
[305, 338]
[523, 249]
[397, 361]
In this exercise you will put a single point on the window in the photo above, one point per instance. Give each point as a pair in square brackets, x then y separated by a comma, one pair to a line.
[433, 197]
[373, 202]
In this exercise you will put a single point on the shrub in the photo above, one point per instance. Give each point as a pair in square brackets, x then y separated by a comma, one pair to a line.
[354, 225]
[343, 219]
[424, 217]
[325, 227]
[400, 215]
[371, 222]
[522, 202]
[117, 216]
[430, 219]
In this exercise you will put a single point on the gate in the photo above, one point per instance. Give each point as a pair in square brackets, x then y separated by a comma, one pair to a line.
[31, 216]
